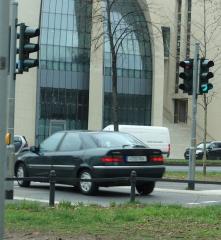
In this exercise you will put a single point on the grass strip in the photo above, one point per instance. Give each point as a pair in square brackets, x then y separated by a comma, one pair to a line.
[183, 162]
[128, 221]
[210, 176]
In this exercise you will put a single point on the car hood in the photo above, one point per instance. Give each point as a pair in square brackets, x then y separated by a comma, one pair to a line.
[187, 149]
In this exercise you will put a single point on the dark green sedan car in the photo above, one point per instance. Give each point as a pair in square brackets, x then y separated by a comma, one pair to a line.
[79, 155]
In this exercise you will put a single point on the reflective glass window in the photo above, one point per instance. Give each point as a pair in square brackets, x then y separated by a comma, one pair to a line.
[51, 20]
[65, 43]
[44, 35]
[44, 20]
[53, 4]
[65, 6]
[46, 6]
[57, 34]
[134, 65]
[57, 21]
[59, 6]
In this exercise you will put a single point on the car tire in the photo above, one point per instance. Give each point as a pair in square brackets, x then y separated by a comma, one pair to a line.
[87, 188]
[145, 188]
[21, 172]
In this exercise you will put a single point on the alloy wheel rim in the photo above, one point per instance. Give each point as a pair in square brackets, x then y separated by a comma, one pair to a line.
[20, 174]
[85, 186]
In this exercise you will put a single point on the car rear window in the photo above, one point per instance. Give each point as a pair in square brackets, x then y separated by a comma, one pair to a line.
[110, 139]
[217, 145]
[17, 139]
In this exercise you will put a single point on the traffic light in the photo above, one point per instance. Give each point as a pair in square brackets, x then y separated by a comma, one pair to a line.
[187, 76]
[26, 47]
[205, 75]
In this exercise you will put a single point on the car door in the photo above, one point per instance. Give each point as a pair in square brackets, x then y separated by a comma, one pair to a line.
[68, 158]
[41, 164]
[214, 152]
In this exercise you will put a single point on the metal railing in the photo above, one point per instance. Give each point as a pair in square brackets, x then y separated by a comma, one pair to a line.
[131, 180]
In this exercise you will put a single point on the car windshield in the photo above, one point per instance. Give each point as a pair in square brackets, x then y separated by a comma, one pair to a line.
[112, 139]
[201, 145]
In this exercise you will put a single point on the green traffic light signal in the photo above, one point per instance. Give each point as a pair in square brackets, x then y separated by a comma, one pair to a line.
[205, 75]
[206, 87]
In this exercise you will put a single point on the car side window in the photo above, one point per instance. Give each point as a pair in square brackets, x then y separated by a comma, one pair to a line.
[71, 142]
[217, 145]
[17, 143]
[50, 144]
[213, 145]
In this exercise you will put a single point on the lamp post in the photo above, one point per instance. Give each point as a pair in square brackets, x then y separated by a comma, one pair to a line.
[4, 68]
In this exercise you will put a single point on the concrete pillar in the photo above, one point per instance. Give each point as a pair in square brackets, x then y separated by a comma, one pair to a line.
[158, 65]
[96, 91]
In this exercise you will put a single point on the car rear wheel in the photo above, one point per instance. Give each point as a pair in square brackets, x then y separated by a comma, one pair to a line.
[87, 187]
[21, 172]
[145, 188]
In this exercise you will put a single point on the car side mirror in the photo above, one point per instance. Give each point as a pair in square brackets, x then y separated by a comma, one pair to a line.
[34, 149]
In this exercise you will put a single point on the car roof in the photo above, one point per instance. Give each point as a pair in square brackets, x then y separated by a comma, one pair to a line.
[210, 142]
[91, 131]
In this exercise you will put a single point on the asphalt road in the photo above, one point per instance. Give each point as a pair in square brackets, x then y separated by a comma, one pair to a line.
[164, 193]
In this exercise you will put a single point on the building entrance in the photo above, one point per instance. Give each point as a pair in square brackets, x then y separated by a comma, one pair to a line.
[57, 125]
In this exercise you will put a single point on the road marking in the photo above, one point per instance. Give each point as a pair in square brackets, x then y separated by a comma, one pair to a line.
[198, 192]
[204, 202]
[34, 200]
[127, 188]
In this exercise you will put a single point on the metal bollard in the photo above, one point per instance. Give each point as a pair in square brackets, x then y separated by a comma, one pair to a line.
[52, 181]
[133, 186]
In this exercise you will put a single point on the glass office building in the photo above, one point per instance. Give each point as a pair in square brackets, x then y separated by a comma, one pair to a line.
[64, 67]
[63, 79]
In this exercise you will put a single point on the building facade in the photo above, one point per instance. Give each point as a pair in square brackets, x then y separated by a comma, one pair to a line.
[72, 87]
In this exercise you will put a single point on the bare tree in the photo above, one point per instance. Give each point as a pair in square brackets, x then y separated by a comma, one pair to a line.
[208, 26]
[116, 28]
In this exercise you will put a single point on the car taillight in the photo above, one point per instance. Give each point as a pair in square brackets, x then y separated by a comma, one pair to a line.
[156, 159]
[111, 159]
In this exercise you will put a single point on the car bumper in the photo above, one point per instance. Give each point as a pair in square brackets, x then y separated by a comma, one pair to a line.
[125, 172]
[198, 156]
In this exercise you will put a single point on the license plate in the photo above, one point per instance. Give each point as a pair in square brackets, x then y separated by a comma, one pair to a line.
[136, 158]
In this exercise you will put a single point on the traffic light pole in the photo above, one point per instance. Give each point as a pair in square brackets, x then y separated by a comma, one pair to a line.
[192, 156]
[9, 192]
[4, 52]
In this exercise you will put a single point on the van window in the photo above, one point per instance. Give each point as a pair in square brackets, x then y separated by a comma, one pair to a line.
[217, 145]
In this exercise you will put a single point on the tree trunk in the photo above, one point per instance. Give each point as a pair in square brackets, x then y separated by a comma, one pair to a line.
[114, 93]
[114, 69]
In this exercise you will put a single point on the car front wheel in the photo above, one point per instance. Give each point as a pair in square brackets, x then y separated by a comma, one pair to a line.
[87, 187]
[21, 172]
[145, 188]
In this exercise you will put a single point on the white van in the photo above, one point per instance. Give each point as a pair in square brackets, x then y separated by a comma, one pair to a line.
[152, 136]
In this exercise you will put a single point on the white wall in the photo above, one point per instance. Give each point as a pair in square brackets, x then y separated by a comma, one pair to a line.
[25, 95]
